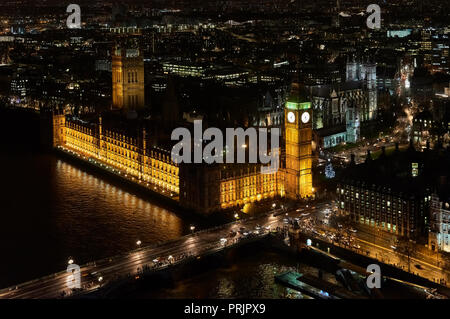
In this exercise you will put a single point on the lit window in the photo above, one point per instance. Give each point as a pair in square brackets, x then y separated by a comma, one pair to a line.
[415, 169]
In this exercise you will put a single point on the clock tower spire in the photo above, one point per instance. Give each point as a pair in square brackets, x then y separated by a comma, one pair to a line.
[298, 134]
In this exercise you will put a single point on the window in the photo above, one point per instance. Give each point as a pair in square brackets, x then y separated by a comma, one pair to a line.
[415, 169]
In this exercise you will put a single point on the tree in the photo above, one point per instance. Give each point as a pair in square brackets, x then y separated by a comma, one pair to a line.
[405, 249]
[329, 171]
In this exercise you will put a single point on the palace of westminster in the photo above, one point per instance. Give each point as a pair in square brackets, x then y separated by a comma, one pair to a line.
[134, 152]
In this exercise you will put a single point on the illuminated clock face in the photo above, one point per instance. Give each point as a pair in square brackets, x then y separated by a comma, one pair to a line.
[305, 117]
[291, 117]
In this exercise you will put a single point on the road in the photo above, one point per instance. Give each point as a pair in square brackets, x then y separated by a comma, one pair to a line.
[204, 242]
[360, 152]
[382, 248]
[99, 273]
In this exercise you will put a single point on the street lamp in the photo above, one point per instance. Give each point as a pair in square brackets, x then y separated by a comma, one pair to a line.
[236, 215]
[274, 205]
[70, 262]
[139, 243]
[192, 228]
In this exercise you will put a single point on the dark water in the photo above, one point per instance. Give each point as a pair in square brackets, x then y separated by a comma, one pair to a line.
[250, 274]
[52, 210]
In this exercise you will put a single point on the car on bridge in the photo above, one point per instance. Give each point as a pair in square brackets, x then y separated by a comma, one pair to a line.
[232, 234]
[157, 261]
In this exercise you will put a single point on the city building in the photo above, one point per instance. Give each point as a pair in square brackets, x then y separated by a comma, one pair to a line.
[298, 126]
[103, 65]
[128, 76]
[432, 126]
[337, 111]
[393, 193]
[365, 72]
[438, 238]
[131, 150]
[340, 108]
[184, 69]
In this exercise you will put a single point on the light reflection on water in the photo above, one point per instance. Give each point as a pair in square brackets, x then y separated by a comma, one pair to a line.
[251, 274]
[52, 209]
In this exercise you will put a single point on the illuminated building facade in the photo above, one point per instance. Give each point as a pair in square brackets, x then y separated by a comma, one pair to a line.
[394, 193]
[431, 127]
[128, 77]
[298, 129]
[337, 112]
[205, 188]
[384, 208]
[184, 69]
[340, 108]
[242, 184]
[366, 74]
[200, 187]
[127, 154]
[438, 238]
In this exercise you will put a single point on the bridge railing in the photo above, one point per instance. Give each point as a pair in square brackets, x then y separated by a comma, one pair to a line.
[209, 249]
[119, 256]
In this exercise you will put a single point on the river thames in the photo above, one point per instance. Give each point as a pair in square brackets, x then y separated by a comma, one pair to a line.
[53, 210]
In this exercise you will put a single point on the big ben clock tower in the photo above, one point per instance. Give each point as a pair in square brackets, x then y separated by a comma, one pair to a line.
[298, 126]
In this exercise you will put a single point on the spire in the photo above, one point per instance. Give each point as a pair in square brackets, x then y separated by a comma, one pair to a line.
[298, 93]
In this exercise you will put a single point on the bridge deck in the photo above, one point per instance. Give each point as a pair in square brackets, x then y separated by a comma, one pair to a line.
[146, 259]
